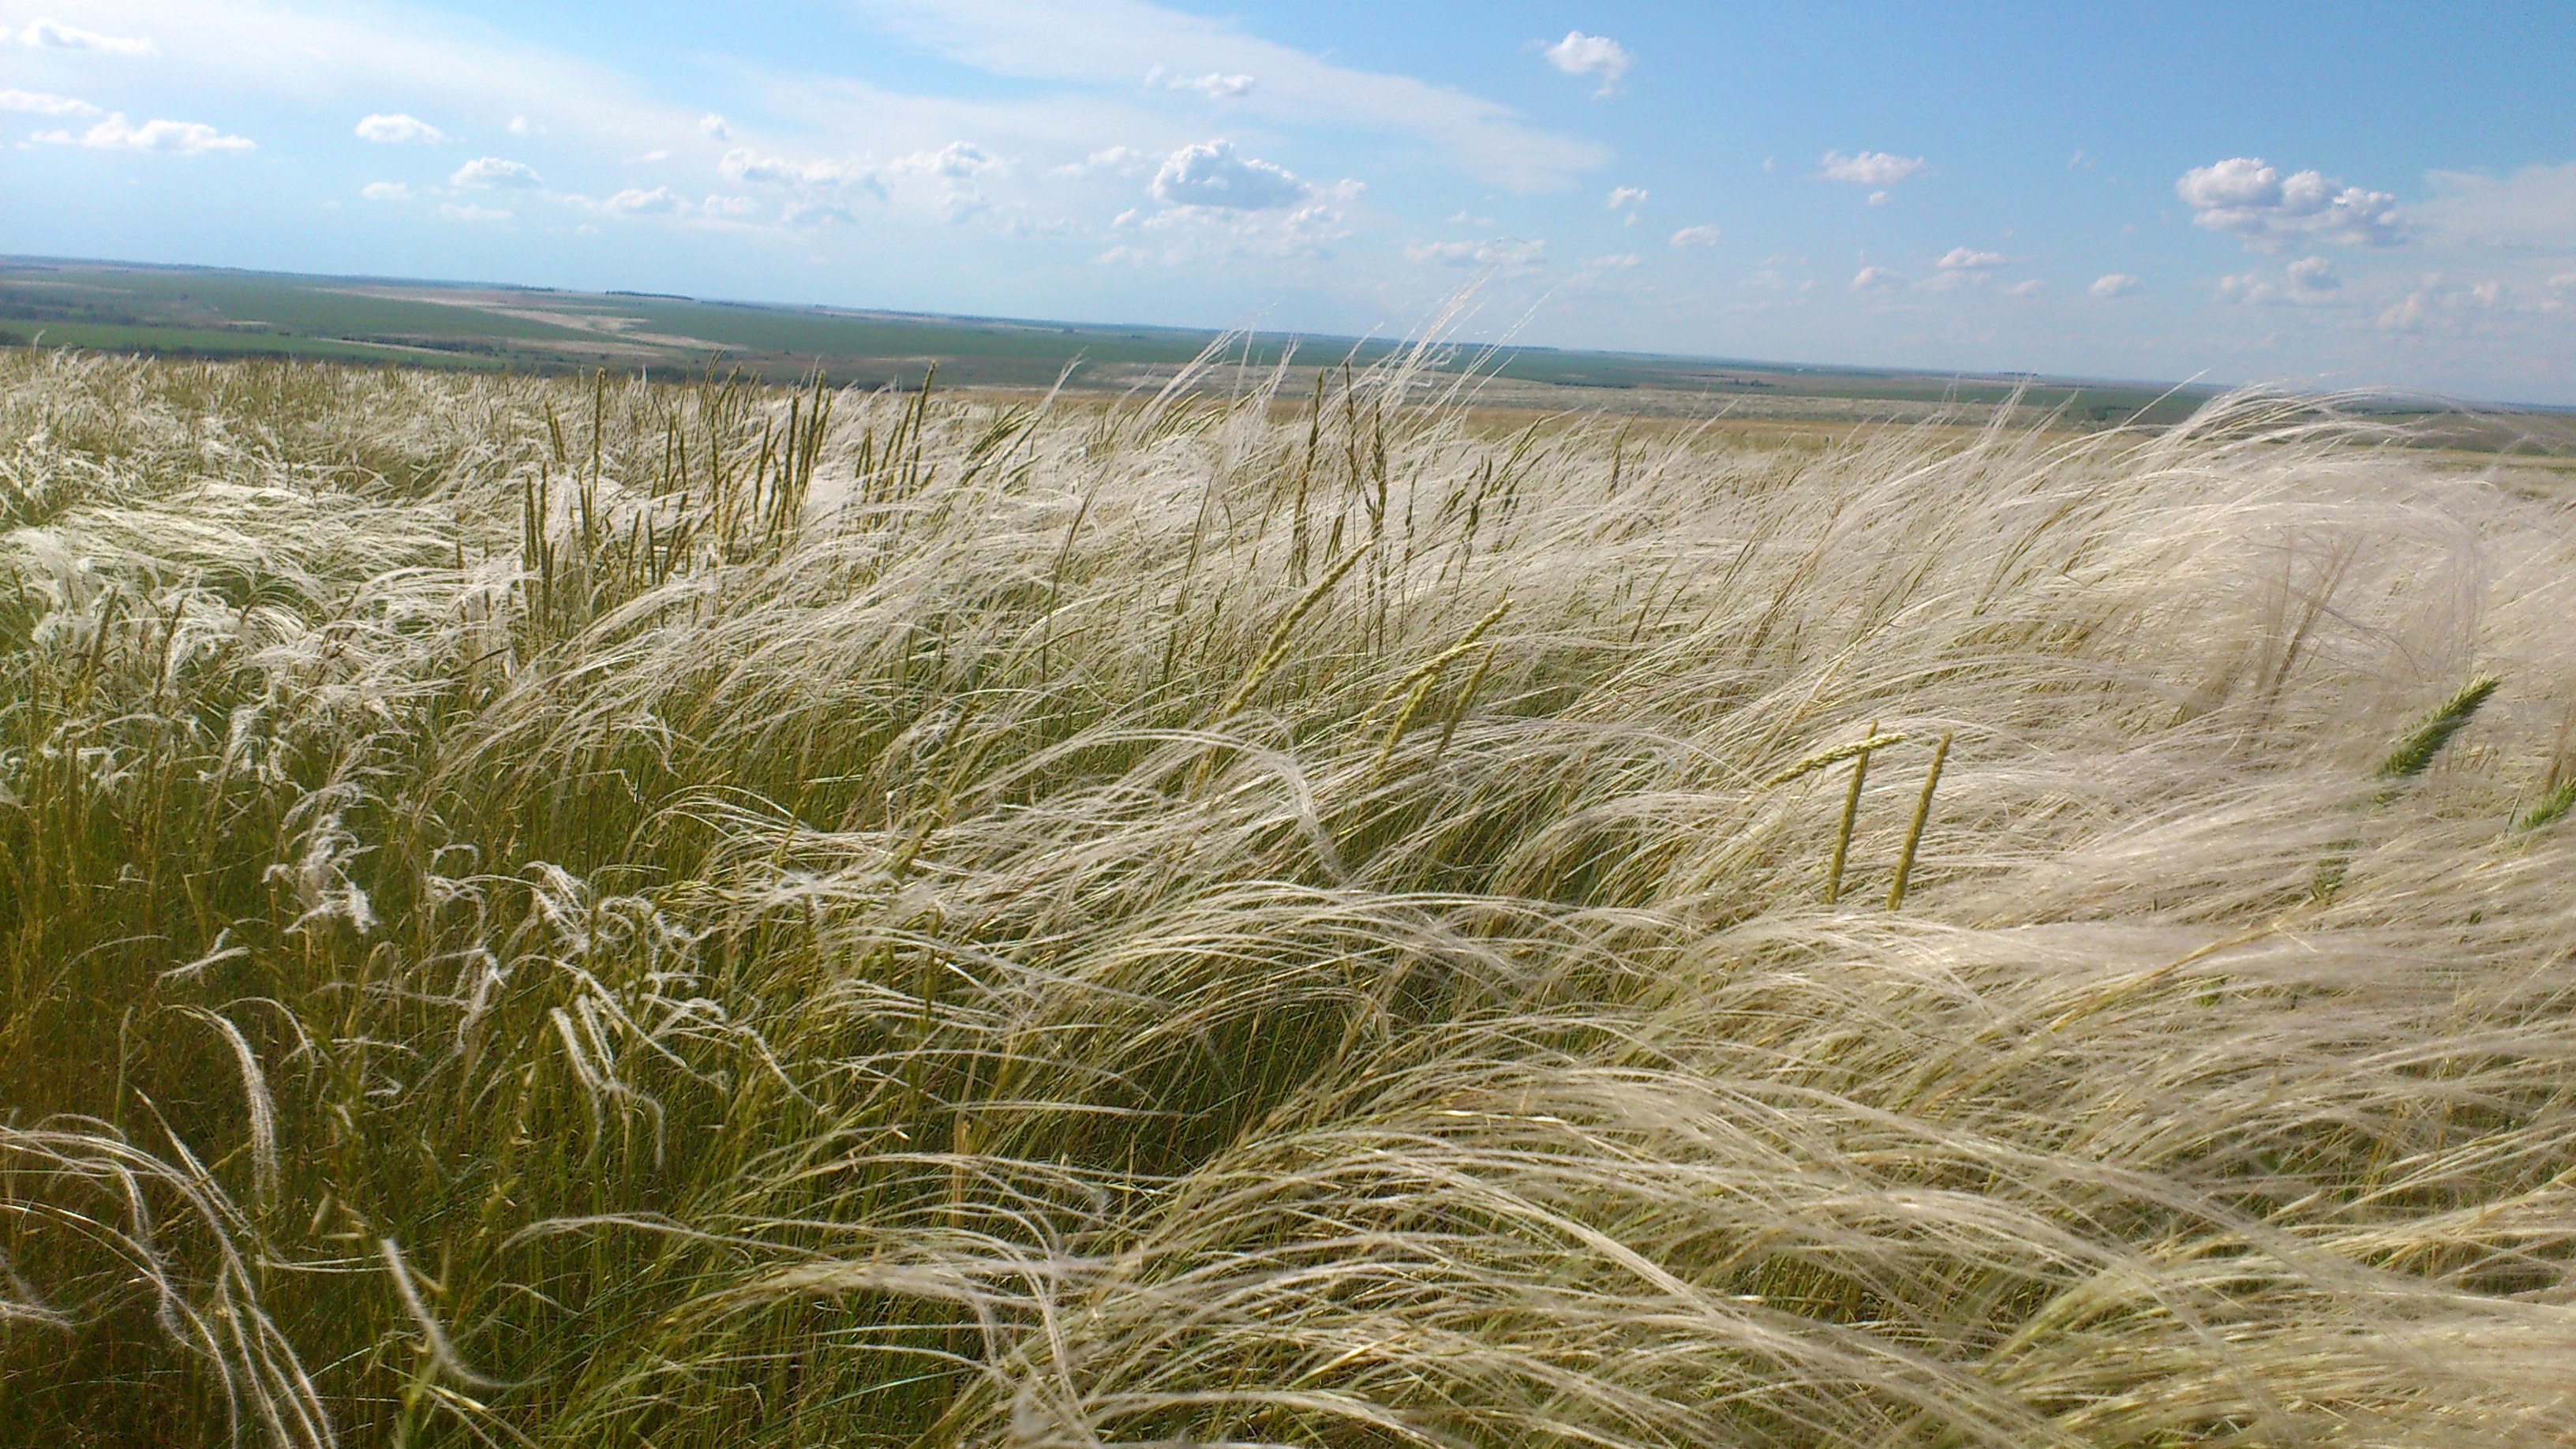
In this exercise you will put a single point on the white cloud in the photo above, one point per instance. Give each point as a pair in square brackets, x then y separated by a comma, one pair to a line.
[1179, 235]
[634, 201]
[454, 211]
[957, 160]
[718, 205]
[1615, 259]
[176, 138]
[1963, 267]
[44, 104]
[2031, 288]
[2534, 207]
[1881, 198]
[1215, 85]
[744, 164]
[1211, 174]
[2307, 282]
[2314, 274]
[1624, 197]
[714, 127]
[1596, 56]
[2250, 199]
[395, 129]
[648, 158]
[519, 127]
[493, 171]
[1876, 279]
[385, 191]
[2114, 284]
[1108, 43]
[1118, 160]
[2447, 308]
[1696, 236]
[54, 35]
[813, 215]
[1869, 168]
[1505, 254]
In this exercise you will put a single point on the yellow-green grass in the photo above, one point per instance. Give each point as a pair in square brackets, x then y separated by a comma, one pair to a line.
[536, 912]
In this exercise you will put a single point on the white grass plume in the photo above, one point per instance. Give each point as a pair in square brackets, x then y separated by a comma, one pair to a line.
[951, 923]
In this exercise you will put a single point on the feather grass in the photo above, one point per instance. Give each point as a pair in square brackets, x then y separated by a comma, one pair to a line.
[583, 912]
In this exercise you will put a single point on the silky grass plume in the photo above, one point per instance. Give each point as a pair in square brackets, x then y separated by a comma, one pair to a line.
[586, 912]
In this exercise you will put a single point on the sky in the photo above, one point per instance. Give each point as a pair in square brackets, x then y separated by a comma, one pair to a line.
[2358, 195]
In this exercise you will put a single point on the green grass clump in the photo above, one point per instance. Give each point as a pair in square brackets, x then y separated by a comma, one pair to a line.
[685, 914]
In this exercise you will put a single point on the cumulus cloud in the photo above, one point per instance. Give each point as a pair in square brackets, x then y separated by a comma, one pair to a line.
[2031, 288]
[1211, 174]
[1623, 198]
[2533, 207]
[519, 126]
[1963, 267]
[493, 171]
[720, 205]
[744, 164]
[396, 129]
[52, 34]
[813, 215]
[2307, 282]
[957, 160]
[43, 104]
[1215, 85]
[713, 127]
[2114, 284]
[1184, 234]
[1876, 279]
[2244, 196]
[1117, 160]
[635, 201]
[385, 191]
[1507, 254]
[1869, 168]
[2444, 307]
[176, 138]
[1598, 57]
[1696, 236]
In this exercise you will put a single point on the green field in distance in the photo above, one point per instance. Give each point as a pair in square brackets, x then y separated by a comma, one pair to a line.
[216, 312]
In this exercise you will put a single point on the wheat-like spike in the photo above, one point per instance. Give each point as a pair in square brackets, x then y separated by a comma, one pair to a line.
[1403, 717]
[1435, 663]
[1825, 759]
[2548, 808]
[1458, 706]
[2411, 754]
[1914, 831]
[1851, 812]
[1277, 647]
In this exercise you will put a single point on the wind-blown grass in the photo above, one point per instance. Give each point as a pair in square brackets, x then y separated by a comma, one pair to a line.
[675, 915]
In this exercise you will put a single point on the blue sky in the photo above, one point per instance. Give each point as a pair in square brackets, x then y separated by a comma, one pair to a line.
[2351, 195]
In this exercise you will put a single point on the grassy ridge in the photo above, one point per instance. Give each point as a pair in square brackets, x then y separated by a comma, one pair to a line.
[579, 914]
[213, 312]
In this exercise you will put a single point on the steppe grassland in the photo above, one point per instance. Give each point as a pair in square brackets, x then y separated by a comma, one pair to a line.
[602, 913]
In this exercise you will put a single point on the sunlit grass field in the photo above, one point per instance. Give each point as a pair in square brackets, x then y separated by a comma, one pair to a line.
[688, 914]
